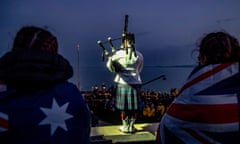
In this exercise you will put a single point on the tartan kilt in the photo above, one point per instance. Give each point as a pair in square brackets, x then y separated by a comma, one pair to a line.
[128, 97]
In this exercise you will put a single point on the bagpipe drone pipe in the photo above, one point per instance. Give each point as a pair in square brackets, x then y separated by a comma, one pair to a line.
[124, 37]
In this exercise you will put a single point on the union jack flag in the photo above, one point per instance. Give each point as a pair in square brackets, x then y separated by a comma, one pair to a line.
[3, 122]
[207, 108]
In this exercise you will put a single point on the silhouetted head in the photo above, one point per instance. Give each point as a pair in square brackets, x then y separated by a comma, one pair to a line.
[218, 47]
[31, 37]
[128, 40]
[130, 37]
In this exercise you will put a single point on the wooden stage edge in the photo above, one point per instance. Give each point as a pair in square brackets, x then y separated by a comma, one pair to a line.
[145, 132]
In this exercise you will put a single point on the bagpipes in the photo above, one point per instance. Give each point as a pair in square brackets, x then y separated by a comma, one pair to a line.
[125, 36]
[104, 50]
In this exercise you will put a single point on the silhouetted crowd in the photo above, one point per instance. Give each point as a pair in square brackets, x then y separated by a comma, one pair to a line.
[153, 103]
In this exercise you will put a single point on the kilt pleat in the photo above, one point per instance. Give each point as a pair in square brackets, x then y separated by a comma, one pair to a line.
[127, 97]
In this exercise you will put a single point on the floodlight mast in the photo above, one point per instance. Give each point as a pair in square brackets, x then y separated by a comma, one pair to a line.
[78, 66]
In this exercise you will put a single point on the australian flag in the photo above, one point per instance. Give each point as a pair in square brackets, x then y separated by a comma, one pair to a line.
[207, 108]
[55, 116]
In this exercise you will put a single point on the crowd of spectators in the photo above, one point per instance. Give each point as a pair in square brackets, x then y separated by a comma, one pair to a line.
[101, 101]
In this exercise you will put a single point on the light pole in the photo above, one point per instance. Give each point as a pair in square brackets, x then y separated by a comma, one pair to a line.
[78, 66]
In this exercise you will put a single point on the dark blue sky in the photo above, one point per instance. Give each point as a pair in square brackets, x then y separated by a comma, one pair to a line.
[166, 31]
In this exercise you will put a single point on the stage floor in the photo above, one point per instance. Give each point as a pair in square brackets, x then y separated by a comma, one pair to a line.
[145, 132]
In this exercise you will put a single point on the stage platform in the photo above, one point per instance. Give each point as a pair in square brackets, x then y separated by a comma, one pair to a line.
[110, 134]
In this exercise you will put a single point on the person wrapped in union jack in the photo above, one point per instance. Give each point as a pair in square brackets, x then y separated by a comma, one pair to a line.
[39, 105]
[206, 109]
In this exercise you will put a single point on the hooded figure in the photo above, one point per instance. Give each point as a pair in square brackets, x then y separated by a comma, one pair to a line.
[39, 104]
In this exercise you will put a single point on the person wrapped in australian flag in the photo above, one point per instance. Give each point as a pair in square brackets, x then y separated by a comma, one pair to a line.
[207, 108]
[37, 103]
